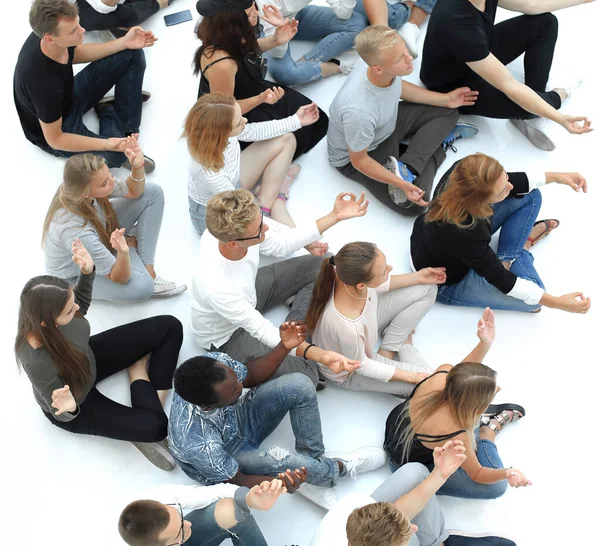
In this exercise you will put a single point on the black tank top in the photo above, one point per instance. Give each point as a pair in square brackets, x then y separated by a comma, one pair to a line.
[396, 424]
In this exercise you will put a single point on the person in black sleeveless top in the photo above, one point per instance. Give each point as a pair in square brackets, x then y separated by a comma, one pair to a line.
[230, 62]
[454, 403]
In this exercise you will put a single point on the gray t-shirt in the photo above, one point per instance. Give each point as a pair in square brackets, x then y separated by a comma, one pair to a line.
[361, 115]
[65, 228]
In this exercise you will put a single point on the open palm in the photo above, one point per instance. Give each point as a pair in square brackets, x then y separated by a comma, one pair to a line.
[486, 327]
[348, 206]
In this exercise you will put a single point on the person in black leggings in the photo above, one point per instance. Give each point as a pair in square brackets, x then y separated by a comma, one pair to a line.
[64, 363]
[230, 62]
[463, 47]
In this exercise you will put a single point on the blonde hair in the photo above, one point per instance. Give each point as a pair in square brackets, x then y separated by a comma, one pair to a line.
[469, 389]
[73, 195]
[468, 192]
[371, 41]
[228, 214]
[207, 128]
[378, 524]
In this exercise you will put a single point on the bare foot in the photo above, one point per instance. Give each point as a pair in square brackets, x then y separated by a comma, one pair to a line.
[539, 229]
[163, 3]
[291, 175]
[139, 369]
[562, 93]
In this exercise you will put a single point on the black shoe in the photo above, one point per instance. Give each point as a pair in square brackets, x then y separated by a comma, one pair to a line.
[149, 165]
[321, 385]
[464, 538]
[110, 99]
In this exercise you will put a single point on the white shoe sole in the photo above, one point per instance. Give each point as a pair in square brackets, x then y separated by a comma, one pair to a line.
[313, 496]
[172, 292]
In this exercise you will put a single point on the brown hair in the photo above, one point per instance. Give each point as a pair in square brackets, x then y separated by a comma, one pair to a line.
[207, 128]
[44, 15]
[43, 299]
[469, 389]
[142, 521]
[468, 193]
[353, 265]
[73, 195]
[229, 213]
[378, 524]
[371, 41]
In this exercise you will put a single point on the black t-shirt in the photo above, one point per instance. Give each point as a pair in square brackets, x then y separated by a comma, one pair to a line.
[42, 88]
[457, 33]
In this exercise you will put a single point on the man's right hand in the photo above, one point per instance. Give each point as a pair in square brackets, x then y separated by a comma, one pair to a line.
[292, 334]
[116, 144]
[292, 480]
[415, 195]
[447, 459]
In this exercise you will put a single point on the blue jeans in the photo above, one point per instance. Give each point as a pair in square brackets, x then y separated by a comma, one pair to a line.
[514, 217]
[206, 531]
[260, 413]
[399, 13]
[197, 215]
[316, 23]
[124, 71]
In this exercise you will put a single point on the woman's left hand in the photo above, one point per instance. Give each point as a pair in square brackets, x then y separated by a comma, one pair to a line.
[134, 152]
[486, 327]
[82, 257]
[308, 114]
[343, 208]
[432, 275]
[272, 15]
[575, 180]
[338, 363]
[284, 33]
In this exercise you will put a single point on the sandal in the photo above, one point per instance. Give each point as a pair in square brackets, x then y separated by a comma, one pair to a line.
[284, 192]
[494, 409]
[502, 419]
[544, 233]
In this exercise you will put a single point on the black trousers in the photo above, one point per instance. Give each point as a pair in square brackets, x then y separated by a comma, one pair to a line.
[115, 350]
[129, 14]
[534, 35]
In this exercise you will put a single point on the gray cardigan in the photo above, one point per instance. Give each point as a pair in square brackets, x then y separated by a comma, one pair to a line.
[40, 367]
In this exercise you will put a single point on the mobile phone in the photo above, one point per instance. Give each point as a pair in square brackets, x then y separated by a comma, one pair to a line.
[179, 17]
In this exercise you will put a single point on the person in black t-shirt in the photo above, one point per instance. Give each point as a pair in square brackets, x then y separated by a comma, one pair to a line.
[475, 199]
[463, 47]
[51, 101]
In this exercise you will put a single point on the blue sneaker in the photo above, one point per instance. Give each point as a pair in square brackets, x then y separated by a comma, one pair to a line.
[401, 171]
[462, 130]
[463, 538]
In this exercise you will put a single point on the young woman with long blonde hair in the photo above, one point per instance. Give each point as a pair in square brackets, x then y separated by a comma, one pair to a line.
[214, 129]
[101, 211]
[453, 403]
[475, 199]
[354, 300]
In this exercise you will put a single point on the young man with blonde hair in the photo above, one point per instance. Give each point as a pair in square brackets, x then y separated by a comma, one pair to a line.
[367, 122]
[230, 292]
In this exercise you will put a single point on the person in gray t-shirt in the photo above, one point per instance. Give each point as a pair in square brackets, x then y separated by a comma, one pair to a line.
[367, 122]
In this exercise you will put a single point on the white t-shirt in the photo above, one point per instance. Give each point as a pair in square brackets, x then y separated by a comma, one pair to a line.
[100, 6]
[332, 529]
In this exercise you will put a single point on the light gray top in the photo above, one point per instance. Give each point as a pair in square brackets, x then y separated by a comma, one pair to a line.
[65, 228]
[40, 367]
[361, 115]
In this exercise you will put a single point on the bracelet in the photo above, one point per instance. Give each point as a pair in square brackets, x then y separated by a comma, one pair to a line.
[306, 350]
[137, 179]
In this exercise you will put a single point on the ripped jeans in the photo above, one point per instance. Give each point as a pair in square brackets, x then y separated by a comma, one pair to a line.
[260, 413]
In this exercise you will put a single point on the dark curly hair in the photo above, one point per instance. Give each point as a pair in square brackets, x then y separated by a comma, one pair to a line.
[229, 31]
[196, 378]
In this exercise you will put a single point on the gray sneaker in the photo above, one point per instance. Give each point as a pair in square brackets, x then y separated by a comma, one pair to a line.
[535, 131]
[399, 169]
[157, 453]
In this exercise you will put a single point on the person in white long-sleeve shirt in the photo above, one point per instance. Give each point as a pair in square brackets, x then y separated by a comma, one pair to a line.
[213, 128]
[335, 26]
[230, 292]
[196, 514]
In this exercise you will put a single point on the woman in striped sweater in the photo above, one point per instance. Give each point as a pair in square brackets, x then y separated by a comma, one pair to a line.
[213, 129]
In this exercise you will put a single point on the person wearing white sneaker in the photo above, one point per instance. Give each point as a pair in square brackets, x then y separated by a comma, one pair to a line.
[93, 206]
[335, 26]
[403, 511]
[367, 122]
[464, 47]
[216, 431]
[404, 16]
[64, 363]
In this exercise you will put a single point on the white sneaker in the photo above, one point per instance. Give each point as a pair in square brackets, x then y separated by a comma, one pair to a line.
[410, 33]
[360, 460]
[167, 288]
[347, 66]
[536, 132]
[323, 496]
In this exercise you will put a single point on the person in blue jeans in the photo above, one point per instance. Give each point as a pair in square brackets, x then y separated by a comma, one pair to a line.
[335, 27]
[475, 199]
[51, 101]
[215, 432]
[453, 403]
[404, 16]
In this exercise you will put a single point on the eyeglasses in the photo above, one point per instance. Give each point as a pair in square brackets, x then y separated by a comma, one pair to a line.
[182, 521]
[256, 236]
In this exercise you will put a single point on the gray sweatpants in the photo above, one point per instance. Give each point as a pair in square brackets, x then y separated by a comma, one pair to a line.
[140, 217]
[430, 521]
[427, 126]
[276, 283]
[398, 313]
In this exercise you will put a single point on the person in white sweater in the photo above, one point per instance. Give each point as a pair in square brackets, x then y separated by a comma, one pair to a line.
[213, 128]
[355, 299]
[334, 26]
[230, 292]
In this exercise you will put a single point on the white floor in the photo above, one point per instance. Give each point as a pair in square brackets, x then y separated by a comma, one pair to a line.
[65, 489]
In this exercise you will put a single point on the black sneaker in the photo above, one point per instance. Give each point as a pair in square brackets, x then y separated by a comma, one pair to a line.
[464, 538]
[110, 99]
